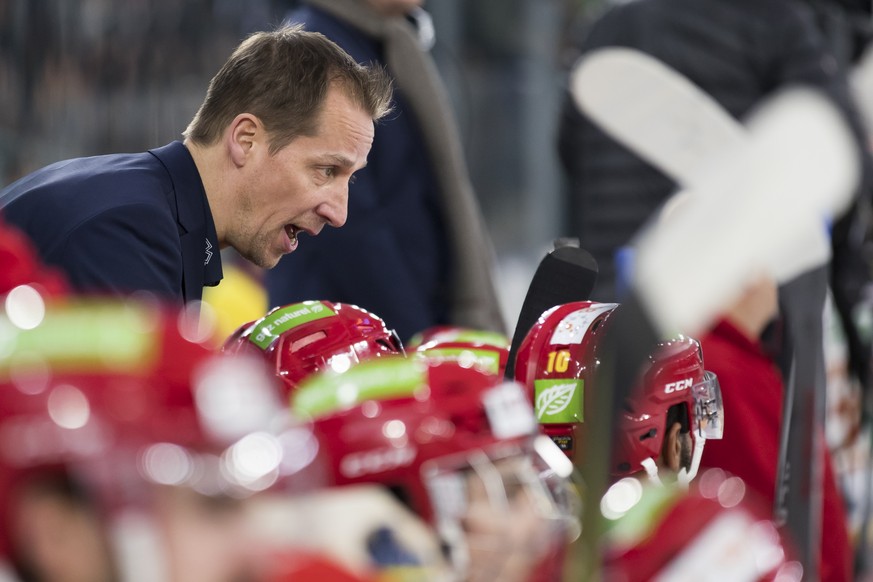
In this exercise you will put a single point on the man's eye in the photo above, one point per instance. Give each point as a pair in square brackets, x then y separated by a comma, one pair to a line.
[329, 171]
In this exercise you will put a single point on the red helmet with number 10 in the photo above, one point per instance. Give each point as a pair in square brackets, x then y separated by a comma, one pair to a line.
[558, 362]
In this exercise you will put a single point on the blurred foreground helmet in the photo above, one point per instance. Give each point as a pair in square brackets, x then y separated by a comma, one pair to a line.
[302, 338]
[20, 265]
[459, 446]
[558, 361]
[716, 529]
[488, 350]
[119, 409]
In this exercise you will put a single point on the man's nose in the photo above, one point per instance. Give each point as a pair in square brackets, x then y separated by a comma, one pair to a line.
[336, 210]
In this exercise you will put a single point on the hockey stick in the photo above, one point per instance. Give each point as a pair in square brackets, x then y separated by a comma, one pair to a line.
[565, 274]
[682, 131]
[861, 85]
[739, 167]
[677, 128]
[740, 181]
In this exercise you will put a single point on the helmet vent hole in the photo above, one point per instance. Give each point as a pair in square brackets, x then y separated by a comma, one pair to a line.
[650, 434]
[305, 341]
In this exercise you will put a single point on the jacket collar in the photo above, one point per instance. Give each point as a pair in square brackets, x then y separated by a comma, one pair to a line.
[200, 250]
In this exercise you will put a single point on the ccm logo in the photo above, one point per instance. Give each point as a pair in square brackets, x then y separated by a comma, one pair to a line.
[358, 464]
[677, 386]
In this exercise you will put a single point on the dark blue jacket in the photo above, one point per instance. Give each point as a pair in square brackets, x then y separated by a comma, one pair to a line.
[121, 223]
[391, 256]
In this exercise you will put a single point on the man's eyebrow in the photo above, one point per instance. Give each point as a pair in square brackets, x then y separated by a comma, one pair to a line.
[342, 161]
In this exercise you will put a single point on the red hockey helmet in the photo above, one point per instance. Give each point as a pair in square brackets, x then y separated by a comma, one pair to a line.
[114, 396]
[487, 349]
[716, 525]
[558, 362]
[302, 338]
[425, 430]
[20, 265]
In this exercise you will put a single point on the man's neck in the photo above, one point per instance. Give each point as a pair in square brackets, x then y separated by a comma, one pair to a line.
[208, 163]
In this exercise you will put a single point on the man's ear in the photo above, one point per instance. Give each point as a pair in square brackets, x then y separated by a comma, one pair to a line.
[243, 135]
[671, 450]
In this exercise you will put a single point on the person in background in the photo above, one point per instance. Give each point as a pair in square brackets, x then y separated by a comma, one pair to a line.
[739, 53]
[285, 124]
[415, 249]
[752, 388]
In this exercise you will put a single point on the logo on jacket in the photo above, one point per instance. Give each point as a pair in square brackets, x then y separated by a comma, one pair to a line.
[208, 252]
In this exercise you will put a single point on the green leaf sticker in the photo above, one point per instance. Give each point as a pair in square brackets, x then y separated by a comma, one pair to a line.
[268, 329]
[559, 401]
[379, 379]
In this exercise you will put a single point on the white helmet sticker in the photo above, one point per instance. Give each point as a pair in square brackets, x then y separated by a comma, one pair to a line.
[573, 327]
[510, 414]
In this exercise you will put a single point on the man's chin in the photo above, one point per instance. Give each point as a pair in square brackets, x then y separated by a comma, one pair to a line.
[264, 261]
[270, 263]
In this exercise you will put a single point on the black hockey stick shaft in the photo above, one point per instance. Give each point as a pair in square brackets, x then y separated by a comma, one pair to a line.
[800, 471]
[564, 275]
[630, 338]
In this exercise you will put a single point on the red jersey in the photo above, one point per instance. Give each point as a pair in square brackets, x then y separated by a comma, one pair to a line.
[752, 390]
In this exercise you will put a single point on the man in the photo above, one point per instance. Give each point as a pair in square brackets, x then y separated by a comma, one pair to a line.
[666, 421]
[459, 447]
[740, 53]
[651, 525]
[431, 261]
[285, 124]
[753, 399]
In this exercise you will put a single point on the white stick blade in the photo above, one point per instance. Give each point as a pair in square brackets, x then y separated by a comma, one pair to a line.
[761, 211]
[654, 110]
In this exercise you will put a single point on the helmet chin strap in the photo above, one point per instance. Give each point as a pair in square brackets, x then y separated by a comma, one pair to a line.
[138, 548]
[685, 477]
[651, 471]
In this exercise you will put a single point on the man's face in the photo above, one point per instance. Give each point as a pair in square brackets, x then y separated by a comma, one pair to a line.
[303, 186]
[59, 538]
[507, 534]
[206, 537]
